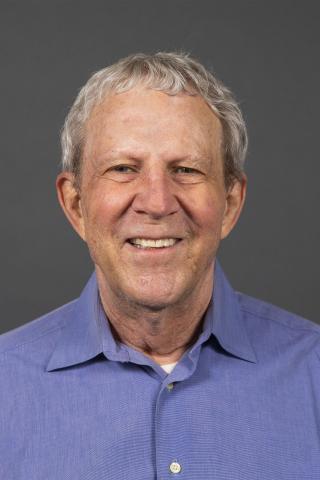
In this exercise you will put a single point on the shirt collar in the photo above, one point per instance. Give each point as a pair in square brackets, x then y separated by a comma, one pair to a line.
[80, 338]
[86, 333]
[227, 321]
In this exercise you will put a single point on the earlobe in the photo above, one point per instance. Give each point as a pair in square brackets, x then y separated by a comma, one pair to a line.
[70, 201]
[234, 203]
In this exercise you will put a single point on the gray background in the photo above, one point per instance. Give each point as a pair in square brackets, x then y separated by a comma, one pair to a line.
[267, 52]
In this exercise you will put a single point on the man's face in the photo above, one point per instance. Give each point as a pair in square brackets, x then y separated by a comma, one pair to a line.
[153, 204]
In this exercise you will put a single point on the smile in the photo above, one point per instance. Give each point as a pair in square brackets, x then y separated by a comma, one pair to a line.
[151, 243]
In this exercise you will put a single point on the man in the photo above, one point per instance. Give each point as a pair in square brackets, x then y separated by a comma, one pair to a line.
[159, 369]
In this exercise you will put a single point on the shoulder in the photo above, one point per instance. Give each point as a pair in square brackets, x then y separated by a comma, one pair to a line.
[41, 328]
[274, 330]
[278, 316]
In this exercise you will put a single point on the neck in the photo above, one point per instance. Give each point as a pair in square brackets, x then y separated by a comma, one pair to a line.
[161, 335]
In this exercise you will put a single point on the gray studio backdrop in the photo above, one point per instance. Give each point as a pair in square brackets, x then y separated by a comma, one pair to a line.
[267, 52]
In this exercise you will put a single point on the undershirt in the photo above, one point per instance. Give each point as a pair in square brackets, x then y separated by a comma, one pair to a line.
[168, 367]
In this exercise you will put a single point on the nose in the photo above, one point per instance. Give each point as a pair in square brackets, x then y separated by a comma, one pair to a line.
[156, 197]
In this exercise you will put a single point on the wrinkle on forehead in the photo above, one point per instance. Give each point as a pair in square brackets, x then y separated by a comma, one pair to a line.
[142, 122]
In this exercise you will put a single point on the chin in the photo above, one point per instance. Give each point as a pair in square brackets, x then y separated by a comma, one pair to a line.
[152, 306]
[154, 299]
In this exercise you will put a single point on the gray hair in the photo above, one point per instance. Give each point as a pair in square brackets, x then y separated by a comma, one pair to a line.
[171, 73]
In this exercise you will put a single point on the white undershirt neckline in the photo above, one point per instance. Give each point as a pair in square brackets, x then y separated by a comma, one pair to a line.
[168, 367]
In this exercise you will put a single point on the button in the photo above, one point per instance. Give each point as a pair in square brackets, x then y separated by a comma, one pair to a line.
[170, 386]
[175, 467]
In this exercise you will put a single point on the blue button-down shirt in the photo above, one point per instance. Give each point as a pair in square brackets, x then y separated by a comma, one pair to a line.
[241, 404]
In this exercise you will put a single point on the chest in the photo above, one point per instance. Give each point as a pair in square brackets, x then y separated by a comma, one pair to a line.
[225, 421]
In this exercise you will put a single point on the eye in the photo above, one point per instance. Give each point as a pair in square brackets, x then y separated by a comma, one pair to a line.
[122, 169]
[121, 173]
[188, 175]
[185, 170]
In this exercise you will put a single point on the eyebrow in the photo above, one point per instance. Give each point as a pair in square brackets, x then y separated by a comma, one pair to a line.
[193, 160]
[117, 154]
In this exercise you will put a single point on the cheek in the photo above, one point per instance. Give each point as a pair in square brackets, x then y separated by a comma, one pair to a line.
[211, 215]
[101, 210]
[98, 221]
[107, 203]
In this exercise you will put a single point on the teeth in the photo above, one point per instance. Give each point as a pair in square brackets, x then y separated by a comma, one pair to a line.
[144, 243]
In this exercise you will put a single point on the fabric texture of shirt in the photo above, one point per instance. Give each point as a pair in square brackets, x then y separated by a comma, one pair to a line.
[241, 404]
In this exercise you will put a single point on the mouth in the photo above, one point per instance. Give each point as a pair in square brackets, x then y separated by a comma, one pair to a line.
[148, 243]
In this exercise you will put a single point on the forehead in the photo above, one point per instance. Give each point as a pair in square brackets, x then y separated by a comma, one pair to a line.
[142, 118]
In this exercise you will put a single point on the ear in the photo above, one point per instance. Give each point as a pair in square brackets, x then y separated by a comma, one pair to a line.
[70, 201]
[235, 198]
